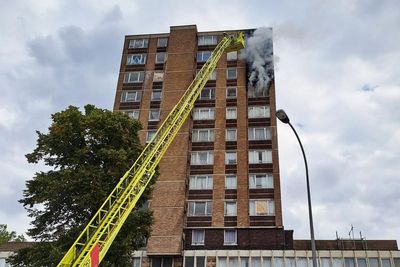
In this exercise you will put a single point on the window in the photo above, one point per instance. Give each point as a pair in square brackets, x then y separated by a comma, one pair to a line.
[362, 262]
[325, 262]
[289, 262]
[230, 182]
[156, 95]
[244, 262]
[385, 262]
[134, 114]
[154, 115]
[131, 96]
[233, 262]
[230, 208]
[337, 262]
[301, 262]
[207, 40]
[373, 262]
[213, 76]
[231, 92]
[230, 157]
[207, 94]
[136, 262]
[161, 262]
[259, 133]
[231, 73]
[203, 135]
[258, 112]
[252, 92]
[396, 262]
[134, 77]
[230, 237]
[267, 262]
[262, 207]
[260, 156]
[203, 113]
[261, 181]
[222, 262]
[231, 56]
[138, 43]
[200, 208]
[161, 57]
[231, 113]
[158, 76]
[230, 134]
[200, 182]
[150, 135]
[348, 262]
[162, 42]
[136, 59]
[189, 261]
[278, 262]
[203, 56]
[200, 261]
[202, 158]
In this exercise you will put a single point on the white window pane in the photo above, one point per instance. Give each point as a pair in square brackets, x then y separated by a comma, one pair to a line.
[289, 262]
[230, 182]
[348, 262]
[266, 262]
[231, 113]
[222, 262]
[362, 262]
[244, 262]
[230, 135]
[160, 57]
[231, 92]
[231, 73]
[154, 114]
[162, 42]
[325, 262]
[385, 262]
[230, 158]
[150, 135]
[255, 261]
[233, 262]
[198, 237]
[230, 208]
[337, 262]
[231, 56]
[302, 262]
[278, 262]
[230, 237]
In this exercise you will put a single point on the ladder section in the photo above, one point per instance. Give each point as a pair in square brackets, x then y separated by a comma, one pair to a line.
[108, 220]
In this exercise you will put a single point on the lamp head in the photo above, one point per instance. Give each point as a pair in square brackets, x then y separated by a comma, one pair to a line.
[281, 115]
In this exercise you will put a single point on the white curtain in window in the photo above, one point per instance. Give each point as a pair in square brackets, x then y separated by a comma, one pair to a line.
[289, 262]
[231, 113]
[278, 262]
[230, 208]
[267, 262]
[230, 135]
[230, 237]
[233, 262]
[255, 262]
[230, 182]
[222, 262]
[244, 262]
[198, 236]
[301, 262]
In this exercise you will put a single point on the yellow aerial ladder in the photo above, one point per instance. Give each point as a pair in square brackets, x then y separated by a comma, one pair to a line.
[93, 243]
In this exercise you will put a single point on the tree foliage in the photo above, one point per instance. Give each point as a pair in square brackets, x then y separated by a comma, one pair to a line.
[6, 235]
[86, 153]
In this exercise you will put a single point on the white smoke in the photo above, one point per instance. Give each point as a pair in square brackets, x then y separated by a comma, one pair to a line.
[259, 57]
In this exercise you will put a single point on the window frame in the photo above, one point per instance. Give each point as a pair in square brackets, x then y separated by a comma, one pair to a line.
[266, 113]
[267, 201]
[226, 134]
[227, 92]
[211, 93]
[133, 111]
[137, 98]
[202, 40]
[164, 59]
[145, 43]
[227, 73]
[227, 112]
[229, 161]
[225, 241]
[209, 161]
[268, 156]
[158, 116]
[230, 202]
[226, 184]
[207, 208]
[152, 95]
[269, 181]
[232, 58]
[162, 38]
[143, 59]
[148, 135]
[251, 133]
[128, 75]
[209, 181]
[210, 110]
[203, 235]
[203, 56]
[196, 135]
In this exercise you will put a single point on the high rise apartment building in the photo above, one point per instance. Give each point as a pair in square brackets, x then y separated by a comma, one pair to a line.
[218, 193]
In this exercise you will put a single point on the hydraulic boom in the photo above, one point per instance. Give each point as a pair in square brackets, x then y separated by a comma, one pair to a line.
[93, 243]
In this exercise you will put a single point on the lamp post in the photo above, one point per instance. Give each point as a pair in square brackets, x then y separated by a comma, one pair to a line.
[282, 116]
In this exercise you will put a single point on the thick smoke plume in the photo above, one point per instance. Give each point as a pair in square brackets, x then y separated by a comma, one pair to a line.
[259, 57]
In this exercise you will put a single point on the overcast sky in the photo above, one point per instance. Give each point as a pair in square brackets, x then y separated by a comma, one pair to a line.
[337, 77]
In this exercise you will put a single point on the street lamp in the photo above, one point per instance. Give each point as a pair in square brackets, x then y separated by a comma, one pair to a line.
[283, 117]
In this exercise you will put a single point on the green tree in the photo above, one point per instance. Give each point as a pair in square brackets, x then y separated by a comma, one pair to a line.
[6, 236]
[86, 153]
